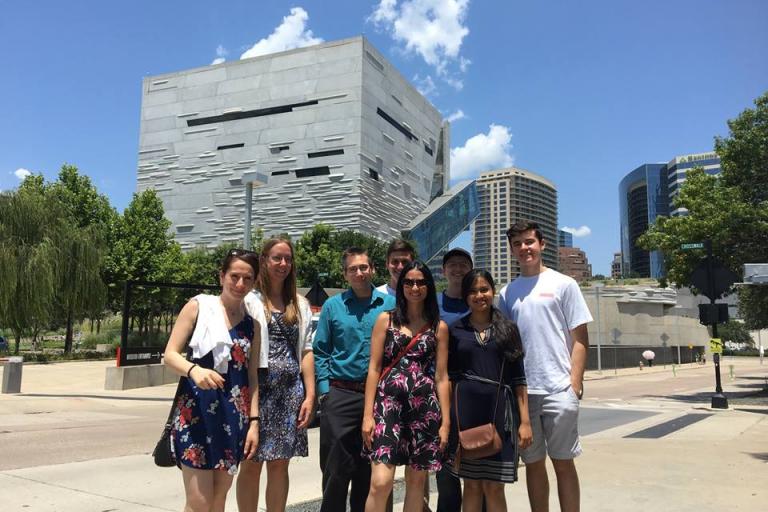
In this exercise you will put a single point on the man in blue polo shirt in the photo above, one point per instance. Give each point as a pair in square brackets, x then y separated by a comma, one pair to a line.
[341, 346]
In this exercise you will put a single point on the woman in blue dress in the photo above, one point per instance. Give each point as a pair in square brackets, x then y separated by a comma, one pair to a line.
[286, 377]
[217, 411]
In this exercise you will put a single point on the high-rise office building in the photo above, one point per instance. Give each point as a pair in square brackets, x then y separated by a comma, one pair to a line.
[507, 196]
[647, 193]
[574, 263]
[340, 136]
[565, 239]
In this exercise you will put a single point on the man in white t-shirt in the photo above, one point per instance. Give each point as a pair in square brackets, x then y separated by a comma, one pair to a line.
[399, 254]
[552, 317]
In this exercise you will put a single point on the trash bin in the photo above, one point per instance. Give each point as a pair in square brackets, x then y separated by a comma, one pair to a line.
[12, 375]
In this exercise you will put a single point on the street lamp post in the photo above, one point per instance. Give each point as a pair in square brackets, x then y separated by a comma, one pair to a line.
[597, 286]
[254, 179]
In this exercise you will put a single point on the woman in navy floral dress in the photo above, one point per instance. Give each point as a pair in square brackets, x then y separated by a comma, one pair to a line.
[406, 416]
[216, 420]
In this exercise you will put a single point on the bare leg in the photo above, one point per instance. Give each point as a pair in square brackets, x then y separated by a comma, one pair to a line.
[495, 501]
[222, 481]
[277, 485]
[472, 501]
[205, 489]
[382, 476]
[538, 485]
[414, 490]
[567, 485]
[248, 486]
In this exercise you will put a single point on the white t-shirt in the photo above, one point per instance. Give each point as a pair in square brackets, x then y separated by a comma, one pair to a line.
[385, 288]
[546, 307]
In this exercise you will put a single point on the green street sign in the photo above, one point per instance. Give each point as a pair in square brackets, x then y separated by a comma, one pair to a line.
[687, 247]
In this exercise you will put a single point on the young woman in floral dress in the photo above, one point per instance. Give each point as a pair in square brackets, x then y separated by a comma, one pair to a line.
[217, 412]
[286, 378]
[406, 417]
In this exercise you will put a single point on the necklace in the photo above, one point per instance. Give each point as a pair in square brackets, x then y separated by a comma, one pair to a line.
[482, 335]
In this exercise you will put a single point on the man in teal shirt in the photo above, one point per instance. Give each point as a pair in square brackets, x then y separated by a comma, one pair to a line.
[342, 346]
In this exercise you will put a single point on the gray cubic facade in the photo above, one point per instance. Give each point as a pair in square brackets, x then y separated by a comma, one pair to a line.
[342, 137]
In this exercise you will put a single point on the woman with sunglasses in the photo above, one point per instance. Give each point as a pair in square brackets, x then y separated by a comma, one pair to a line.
[217, 412]
[485, 346]
[405, 419]
[286, 378]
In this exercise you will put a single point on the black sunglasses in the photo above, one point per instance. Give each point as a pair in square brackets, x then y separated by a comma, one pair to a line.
[240, 252]
[409, 283]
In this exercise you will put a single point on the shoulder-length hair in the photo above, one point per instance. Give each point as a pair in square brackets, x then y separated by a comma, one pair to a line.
[431, 310]
[503, 330]
[292, 313]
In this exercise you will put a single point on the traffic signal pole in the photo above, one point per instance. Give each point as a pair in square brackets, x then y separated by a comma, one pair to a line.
[719, 400]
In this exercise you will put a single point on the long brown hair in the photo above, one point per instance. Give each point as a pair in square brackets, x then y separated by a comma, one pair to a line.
[290, 299]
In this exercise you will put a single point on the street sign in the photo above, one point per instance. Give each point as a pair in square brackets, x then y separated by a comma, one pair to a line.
[716, 346]
[712, 314]
[688, 247]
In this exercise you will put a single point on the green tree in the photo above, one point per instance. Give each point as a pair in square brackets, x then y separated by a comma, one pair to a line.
[731, 210]
[81, 289]
[30, 229]
[735, 332]
[318, 255]
[143, 249]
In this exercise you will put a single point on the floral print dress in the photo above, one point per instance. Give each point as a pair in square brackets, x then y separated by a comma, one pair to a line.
[210, 425]
[406, 411]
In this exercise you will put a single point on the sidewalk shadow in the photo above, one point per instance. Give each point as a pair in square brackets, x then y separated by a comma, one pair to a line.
[106, 397]
[759, 456]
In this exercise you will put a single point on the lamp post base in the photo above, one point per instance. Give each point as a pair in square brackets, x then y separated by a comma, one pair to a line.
[719, 401]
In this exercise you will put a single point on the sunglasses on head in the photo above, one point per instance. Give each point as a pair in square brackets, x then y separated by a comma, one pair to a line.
[409, 283]
[240, 252]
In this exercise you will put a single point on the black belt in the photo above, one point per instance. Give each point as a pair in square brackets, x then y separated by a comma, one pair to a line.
[351, 385]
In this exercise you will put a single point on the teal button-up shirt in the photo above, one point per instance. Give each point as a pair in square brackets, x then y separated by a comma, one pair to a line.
[342, 342]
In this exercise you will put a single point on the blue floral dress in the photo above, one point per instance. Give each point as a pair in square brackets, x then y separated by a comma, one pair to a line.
[281, 393]
[406, 411]
[210, 425]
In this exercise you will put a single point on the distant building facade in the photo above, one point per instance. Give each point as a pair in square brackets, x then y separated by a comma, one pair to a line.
[646, 193]
[565, 239]
[574, 263]
[616, 266]
[341, 136]
[507, 196]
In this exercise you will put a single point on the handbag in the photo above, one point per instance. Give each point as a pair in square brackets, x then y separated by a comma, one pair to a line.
[163, 452]
[481, 441]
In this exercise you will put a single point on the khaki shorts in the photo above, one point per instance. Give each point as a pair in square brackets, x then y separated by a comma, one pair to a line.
[555, 425]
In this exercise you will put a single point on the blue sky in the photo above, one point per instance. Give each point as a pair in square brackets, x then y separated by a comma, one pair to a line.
[579, 92]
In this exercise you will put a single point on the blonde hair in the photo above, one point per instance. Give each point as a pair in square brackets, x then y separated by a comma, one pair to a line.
[292, 314]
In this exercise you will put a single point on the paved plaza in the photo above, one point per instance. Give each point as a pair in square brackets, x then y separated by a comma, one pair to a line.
[651, 443]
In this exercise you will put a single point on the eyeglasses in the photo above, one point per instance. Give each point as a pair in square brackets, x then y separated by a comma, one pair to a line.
[362, 268]
[240, 252]
[410, 283]
[277, 259]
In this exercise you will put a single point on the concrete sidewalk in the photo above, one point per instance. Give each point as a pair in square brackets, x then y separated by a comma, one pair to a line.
[718, 463]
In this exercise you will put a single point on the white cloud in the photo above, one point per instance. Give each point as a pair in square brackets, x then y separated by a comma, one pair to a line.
[291, 33]
[426, 86]
[433, 29]
[22, 173]
[459, 114]
[579, 232]
[482, 152]
[221, 54]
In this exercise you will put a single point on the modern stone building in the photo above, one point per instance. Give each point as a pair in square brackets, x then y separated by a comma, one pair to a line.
[507, 196]
[340, 135]
[574, 263]
[616, 266]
